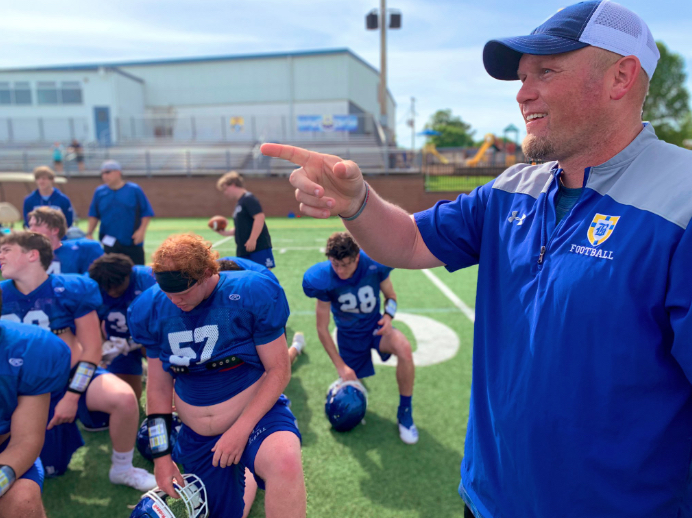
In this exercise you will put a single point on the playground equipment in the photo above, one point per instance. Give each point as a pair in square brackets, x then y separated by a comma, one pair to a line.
[430, 149]
[488, 141]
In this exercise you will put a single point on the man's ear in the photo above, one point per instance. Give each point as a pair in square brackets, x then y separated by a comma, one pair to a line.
[624, 74]
[34, 256]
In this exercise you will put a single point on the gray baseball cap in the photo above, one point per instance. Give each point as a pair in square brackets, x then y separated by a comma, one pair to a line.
[110, 165]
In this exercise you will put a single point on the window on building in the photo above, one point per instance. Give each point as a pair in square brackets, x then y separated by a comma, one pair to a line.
[5, 94]
[47, 92]
[71, 92]
[22, 92]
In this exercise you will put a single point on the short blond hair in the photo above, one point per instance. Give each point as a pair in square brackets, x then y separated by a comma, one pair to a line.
[44, 171]
[230, 178]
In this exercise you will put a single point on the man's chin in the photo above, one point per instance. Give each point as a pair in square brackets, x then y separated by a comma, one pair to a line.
[538, 148]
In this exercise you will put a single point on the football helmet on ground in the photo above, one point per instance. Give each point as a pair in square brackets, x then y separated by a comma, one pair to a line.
[194, 495]
[143, 445]
[346, 404]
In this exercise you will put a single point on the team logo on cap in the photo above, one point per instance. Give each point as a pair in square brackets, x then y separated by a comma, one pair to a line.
[601, 228]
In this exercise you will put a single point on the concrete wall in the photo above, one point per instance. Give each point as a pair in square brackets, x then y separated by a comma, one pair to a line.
[198, 197]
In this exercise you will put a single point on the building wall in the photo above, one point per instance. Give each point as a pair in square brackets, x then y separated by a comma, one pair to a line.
[197, 196]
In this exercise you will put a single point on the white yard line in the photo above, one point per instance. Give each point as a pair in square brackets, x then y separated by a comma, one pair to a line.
[470, 313]
[421, 311]
[299, 248]
[222, 241]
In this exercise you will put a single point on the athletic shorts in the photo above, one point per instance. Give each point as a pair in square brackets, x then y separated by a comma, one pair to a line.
[264, 257]
[94, 420]
[130, 363]
[226, 486]
[35, 472]
[355, 351]
[60, 443]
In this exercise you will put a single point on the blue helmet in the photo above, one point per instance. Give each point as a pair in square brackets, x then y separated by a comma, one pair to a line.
[143, 437]
[194, 496]
[346, 404]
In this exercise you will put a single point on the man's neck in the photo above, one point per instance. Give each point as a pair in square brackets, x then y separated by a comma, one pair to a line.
[118, 185]
[46, 192]
[55, 243]
[573, 168]
[30, 281]
[211, 285]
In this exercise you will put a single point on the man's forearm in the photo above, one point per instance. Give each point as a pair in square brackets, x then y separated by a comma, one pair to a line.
[257, 226]
[144, 224]
[330, 347]
[22, 452]
[386, 233]
[92, 225]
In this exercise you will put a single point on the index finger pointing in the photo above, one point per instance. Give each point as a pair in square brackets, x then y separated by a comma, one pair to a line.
[297, 155]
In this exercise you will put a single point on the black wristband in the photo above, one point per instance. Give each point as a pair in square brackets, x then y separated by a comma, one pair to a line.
[390, 307]
[82, 377]
[7, 478]
[159, 427]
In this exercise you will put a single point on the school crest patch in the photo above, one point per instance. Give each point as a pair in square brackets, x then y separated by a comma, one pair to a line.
[601, 228]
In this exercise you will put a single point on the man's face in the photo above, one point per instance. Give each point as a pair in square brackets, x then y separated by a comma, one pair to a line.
[110, 178]
[118, 291]
[561, 99]
[44, 183]
[12, 260]
[189, 299]
[231, 192]
[345, 268]
[42, 228]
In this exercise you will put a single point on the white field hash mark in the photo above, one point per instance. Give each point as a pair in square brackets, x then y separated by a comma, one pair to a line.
[470, 313]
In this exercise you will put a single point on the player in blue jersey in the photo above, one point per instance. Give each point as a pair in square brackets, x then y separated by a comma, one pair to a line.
[47, 195]
[220, 338]
[33, 363]
[66, 305]
[229, 264]
[121, 282]
[71, 255]
[350, 283]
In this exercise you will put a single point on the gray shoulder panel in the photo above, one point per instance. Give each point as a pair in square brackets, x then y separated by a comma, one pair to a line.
[658, 180]
[526, 179]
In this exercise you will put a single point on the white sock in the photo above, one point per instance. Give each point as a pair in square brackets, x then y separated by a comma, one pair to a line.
[122, 460]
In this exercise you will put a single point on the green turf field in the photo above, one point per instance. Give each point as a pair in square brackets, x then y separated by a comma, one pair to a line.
[367, 472]
[454, 183]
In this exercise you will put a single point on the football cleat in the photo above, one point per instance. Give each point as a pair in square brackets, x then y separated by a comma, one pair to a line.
[138, 478]
[142, 442]
[346, 404]
[193, 494]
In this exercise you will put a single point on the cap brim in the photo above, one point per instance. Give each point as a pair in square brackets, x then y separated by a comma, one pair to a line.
[501, 57]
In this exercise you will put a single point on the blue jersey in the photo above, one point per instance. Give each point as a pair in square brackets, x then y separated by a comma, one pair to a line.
[57, 200]
[356, 300]
[247, 264]
[54, 305]
[75, 256]
[120, 211]
[245, 310]
[114, 311]
[32, 362]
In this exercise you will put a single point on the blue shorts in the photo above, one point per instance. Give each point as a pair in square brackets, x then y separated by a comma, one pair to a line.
[226, 486]
[264, 257]
[355, 351]
[34, 473]
[95, 419]
[130, 363]
[60, 443]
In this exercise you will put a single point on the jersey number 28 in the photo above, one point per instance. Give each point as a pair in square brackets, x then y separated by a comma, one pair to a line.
[366, 296]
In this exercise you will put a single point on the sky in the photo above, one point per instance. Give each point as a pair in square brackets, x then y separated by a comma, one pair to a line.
[436, 57]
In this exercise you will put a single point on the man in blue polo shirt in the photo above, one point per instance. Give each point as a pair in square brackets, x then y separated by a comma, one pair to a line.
[581, 398]
[124, 211]
[46, 195]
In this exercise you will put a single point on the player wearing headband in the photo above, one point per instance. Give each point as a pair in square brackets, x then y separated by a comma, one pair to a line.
[221, 339]
[33, 363]
[121, 282]
[71, 256]
[65, 305]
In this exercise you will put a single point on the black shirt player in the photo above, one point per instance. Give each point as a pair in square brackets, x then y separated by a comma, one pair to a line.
[251, 234]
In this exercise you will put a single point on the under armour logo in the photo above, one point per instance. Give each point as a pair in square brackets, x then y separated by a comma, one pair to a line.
[519, 220]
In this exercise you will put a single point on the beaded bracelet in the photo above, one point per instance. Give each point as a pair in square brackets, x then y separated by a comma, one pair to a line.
[362, 207]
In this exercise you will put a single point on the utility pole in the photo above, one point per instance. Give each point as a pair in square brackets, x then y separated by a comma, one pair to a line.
[383, 64]
[412, 123]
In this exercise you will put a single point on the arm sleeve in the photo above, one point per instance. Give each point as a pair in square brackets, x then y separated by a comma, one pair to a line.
[145, 207]
[252, 205]
[46, 365]
[270, 309]
[452, 230]
[94, 208]
[679, 302]
[138, 317]
[311, 290]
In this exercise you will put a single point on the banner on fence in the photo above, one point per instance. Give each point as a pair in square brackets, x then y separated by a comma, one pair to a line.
[327, 122]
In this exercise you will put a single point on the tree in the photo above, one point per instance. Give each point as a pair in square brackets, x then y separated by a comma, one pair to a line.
[667, 105]
[454, 132]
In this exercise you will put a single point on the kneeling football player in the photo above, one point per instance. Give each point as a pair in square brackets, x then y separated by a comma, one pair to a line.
[221, 338]
[66, 305]
[350, 283]
[33, 363]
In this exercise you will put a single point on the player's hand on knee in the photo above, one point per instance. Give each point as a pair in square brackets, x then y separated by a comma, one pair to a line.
[65, 411]
[385, 324]
[346, 373]
[229, 448]
[165, 471]
[325, 184]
